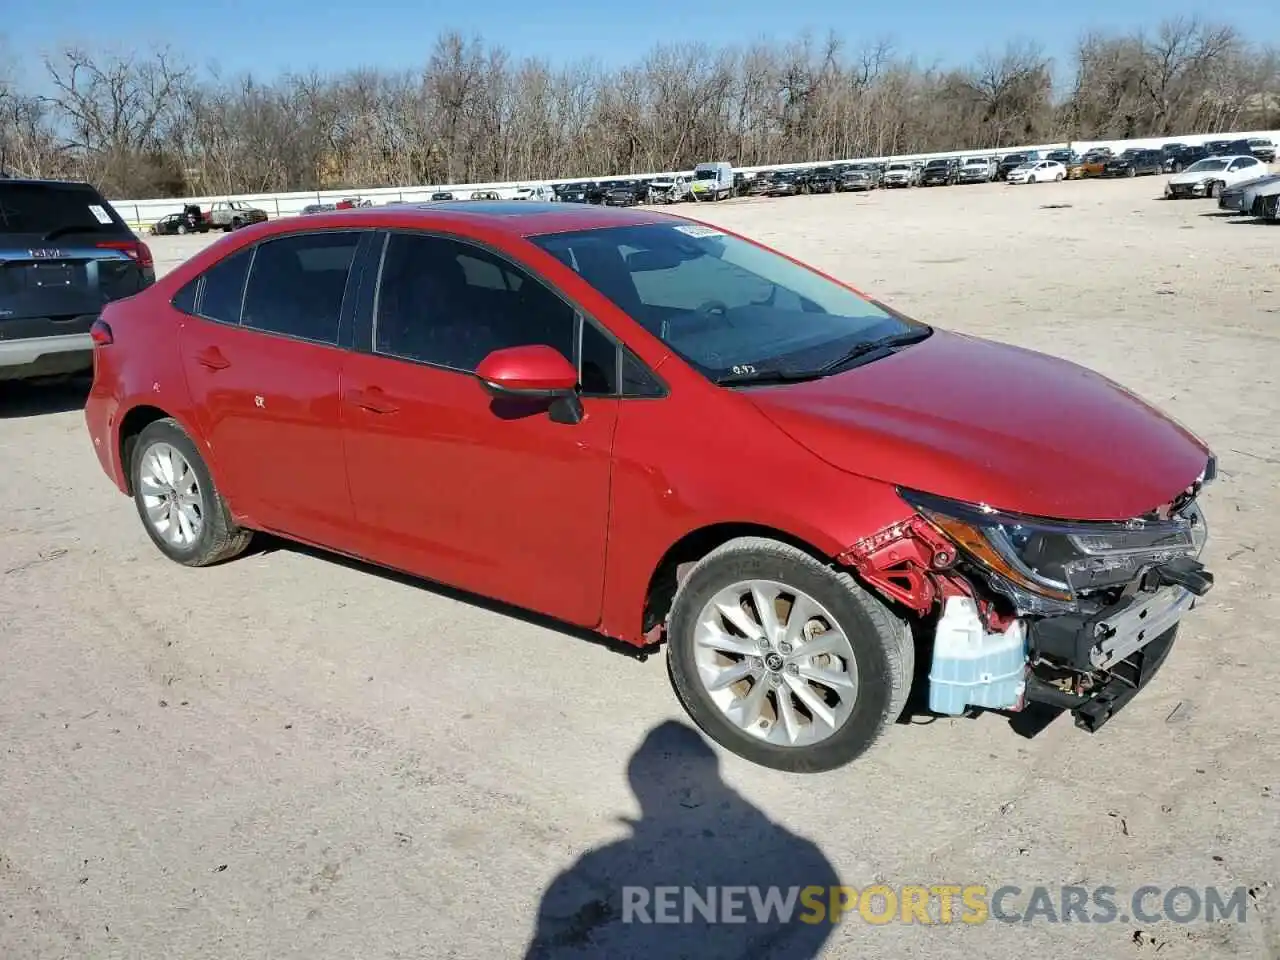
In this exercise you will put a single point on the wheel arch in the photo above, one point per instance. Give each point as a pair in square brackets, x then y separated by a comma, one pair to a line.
[665, 577]
[137, 419]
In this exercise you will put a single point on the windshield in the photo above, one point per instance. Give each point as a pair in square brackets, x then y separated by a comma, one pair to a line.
[1207, 166]
[1029, 165]
[704, 174]
[899, 166]
[727, 306]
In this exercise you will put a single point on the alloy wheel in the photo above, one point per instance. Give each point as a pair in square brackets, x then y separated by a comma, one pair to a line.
[776, 663]
[171, 495]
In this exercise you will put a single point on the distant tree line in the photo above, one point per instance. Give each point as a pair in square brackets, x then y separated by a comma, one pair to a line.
[150, 125]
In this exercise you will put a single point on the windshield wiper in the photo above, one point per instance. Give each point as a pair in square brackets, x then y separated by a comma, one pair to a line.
[875, 346]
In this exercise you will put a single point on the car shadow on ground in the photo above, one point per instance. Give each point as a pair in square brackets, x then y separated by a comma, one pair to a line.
[696, 837]
[265, 543]
[37, 398]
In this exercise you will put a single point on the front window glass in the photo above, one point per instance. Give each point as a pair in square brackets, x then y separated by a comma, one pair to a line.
[726, 305]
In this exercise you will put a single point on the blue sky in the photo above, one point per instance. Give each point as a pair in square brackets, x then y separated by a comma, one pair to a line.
[274, 36]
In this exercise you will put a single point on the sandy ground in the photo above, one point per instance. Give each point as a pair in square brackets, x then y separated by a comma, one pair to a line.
[291, 756]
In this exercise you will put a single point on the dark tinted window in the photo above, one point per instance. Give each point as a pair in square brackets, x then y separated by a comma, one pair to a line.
[450, 303]
[297, 284]
[599, 363]
[637, 381]
[55, 208]
[185, 299]
[224, 288]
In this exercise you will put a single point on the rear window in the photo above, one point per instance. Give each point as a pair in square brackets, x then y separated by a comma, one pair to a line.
[53, 209]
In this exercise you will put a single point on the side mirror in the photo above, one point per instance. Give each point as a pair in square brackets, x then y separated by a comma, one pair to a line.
[534, 372]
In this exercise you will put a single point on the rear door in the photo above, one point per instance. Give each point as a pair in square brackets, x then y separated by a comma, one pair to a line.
[64, 253]
[263, 362]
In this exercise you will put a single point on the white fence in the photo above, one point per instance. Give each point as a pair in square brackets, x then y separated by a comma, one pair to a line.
[141, 213]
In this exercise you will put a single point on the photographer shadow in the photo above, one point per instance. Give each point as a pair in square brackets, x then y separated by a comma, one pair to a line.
[700, 838]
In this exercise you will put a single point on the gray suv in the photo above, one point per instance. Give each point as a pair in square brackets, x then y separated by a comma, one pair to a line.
[64, 253]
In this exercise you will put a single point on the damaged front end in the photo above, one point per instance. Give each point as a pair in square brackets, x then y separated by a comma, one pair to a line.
[1078, 615]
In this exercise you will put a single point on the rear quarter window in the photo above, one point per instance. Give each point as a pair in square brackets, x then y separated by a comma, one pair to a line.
[223, 291]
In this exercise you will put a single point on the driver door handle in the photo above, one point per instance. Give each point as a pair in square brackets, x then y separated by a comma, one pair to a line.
[373, 400]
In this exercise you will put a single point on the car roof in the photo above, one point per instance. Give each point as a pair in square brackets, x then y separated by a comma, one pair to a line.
[517, 218]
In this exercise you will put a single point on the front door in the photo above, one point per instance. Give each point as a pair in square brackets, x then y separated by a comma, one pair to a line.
[447, 482]
[263, 367]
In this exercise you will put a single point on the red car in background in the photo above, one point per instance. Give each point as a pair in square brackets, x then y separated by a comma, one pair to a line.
[660, 430]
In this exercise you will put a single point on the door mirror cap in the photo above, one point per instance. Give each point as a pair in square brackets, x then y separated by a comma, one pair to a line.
[530, 371]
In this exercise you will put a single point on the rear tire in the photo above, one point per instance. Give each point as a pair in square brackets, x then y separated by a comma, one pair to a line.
[1057, 178]
[838, 699]
[180, 508]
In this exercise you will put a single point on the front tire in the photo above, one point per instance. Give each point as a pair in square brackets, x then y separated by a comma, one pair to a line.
[784, 660]
[180, 507]
[1215, 189]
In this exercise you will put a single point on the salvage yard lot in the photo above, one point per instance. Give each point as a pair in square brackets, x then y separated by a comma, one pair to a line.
[293, 756]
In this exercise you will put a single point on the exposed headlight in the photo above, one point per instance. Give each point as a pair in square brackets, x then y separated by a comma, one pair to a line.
[1046, 565]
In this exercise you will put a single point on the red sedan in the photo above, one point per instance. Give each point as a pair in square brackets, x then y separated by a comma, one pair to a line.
[662, 431]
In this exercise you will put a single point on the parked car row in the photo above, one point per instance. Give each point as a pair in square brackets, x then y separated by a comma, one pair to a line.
[717, 180]
[225, 215]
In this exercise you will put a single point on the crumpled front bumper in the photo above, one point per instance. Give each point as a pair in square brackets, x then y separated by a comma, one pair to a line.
[1125, 642]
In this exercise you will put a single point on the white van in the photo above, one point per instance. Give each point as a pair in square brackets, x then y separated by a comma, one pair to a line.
[712, 181]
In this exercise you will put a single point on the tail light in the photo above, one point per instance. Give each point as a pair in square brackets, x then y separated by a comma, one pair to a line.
[134, 249]
[101, 333]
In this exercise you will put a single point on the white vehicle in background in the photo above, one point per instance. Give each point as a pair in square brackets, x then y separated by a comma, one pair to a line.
[672, 189]
[976, 170]
[900, 175]
[712, 181]
[1038, 171]
[540, 193]
[1210, 176]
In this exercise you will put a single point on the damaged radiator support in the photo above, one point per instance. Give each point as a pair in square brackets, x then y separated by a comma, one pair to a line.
[979, 657]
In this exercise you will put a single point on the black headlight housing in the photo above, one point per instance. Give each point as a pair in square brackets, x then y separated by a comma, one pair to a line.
[1046, 566]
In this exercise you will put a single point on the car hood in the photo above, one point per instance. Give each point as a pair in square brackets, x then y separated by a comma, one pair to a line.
[1195, 176]
[985, 422]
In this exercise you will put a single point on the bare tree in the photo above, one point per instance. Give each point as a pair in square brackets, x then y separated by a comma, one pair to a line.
[147, 125]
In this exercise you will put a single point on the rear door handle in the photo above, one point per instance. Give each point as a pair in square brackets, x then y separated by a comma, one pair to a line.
[373, 400]
[213, 359]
